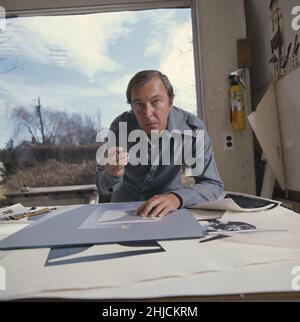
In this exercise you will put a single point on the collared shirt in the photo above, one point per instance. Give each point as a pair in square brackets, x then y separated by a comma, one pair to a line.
[141, 182]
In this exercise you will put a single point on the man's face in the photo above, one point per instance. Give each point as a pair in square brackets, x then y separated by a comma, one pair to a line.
[151, 105]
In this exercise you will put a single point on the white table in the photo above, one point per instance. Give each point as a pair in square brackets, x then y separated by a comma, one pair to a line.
[232, 268]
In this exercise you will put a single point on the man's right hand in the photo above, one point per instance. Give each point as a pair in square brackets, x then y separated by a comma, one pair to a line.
[117, 160]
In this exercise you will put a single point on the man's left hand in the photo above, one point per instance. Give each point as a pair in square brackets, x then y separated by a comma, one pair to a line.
[159, 206]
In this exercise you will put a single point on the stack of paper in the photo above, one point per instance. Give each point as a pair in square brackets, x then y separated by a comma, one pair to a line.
[12, 211]
[239, 203]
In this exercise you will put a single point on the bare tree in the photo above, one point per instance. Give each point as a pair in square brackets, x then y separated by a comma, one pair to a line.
[57, 127]
[39, 113]
[25, 121]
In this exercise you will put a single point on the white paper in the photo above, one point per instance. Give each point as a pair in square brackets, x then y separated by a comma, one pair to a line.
[284, 223]
[14, 210]
[267, 278]
[288, 98]
[123, 217]
[27, 273]
[160, 273]
[203, 214]
[228, 204]
[265, 124]
[11, 228]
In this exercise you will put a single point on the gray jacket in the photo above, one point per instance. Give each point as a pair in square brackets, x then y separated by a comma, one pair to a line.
[141, 182]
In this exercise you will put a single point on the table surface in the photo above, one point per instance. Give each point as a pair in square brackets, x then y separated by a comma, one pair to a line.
[230, 280]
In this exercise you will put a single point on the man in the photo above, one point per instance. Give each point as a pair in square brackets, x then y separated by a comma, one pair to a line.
[150, 95]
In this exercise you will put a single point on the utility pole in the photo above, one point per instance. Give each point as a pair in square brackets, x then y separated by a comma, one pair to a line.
[38, 110]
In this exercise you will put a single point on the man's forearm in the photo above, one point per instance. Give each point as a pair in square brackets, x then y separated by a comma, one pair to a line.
[199, 193]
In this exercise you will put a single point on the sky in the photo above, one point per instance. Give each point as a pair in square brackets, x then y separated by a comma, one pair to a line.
[82, 63]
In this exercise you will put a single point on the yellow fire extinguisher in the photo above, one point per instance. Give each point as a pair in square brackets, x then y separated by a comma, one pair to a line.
[237, 113]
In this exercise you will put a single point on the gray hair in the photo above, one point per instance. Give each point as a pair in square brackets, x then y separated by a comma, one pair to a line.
[143, 77]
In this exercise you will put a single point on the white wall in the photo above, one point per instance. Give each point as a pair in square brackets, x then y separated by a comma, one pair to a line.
[220, 26]
[257, 15]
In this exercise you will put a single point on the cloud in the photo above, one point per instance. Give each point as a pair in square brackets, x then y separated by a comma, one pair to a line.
[174, 49]
[161, 24]
[79, 42]
[178, 64]
[84, 44]
[19, 90]
[118, 86]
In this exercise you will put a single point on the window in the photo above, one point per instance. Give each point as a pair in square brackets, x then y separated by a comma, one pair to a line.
[64, 77]
[82, 63]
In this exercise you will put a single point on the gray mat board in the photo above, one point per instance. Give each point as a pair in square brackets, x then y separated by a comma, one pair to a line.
[62, 230]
